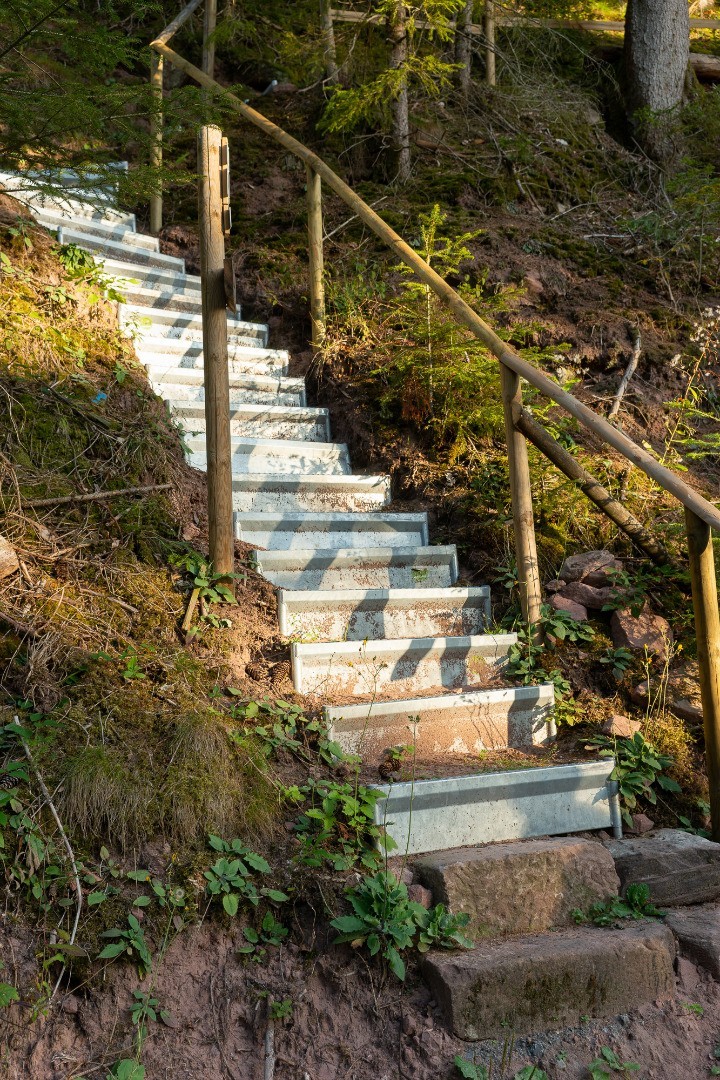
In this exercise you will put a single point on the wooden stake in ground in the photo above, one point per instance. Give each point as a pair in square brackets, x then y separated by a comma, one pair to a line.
[625, 381]
[215, 352]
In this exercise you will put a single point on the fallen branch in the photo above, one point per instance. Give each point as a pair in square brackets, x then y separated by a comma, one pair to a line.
[624, 382]
[190, 610]
[95, 496]
[17, 626]
[592, 488]
[66, 842]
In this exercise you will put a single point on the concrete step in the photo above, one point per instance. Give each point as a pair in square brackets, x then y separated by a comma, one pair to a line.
[404, 666]
[530, 984]
[278, 457]
[164, 297]
[149, 276]
[186, 384]
[516, 716]
[158, 354]
[371, 614]
[156, 322]
[32, 190]
[366, 568]
[286, 422]
[548, 881]
[333, 532]
[99, 226]
[34, 199]
[434, 815]
[119, 249]
[339, 494]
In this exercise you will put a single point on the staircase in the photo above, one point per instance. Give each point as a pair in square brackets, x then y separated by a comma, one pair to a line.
[378, 626]
[400, 654]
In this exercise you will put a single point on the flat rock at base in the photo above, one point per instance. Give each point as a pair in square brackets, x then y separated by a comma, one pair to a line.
[520, 888]
[687, 710]
[621, 726]
[644, 633]
[548, 981]
[561, 603]
[677, 867]
[578, 567]
[698, 933]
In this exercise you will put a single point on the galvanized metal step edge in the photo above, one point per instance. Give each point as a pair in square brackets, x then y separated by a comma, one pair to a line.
[126, 252]
[148, 275]
[314, 602]
[295, 522]
[178, 323]
[274, 562]
[435, 815]
[492, 648]
[316, 482]
[119, 232]
[366, 729]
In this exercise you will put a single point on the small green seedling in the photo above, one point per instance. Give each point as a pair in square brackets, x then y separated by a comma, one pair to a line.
[608, 1062]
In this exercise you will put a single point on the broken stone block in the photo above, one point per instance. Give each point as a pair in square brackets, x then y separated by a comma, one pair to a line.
[622, 727]
[698, 933]
[420, 895]
[554, 586]
[577, 611]
[641, 824]
[643, 633]
[586, 595]
[677, 867]
[530, 984]
[578, 567]
[545, 879]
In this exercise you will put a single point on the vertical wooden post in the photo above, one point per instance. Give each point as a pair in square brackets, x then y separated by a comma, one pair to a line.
[315, 255]
[707, 631]
[490, 42]
[463, 47]
[215, 352]
[331, 64]
[156, 136]
[208, 50]
[521, 496]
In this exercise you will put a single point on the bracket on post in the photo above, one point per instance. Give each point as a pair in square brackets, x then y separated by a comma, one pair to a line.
[225, 187]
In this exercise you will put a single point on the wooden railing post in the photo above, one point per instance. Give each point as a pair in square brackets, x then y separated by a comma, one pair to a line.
[521, 497]
[156, 137]
[707, 632]
[208, 51]
[215, 352]
[315, 255]
[490, 42]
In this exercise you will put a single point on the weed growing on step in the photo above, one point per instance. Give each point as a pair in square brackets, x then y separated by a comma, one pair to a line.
[608, 1063]
[388, 923]
[636, 904]
[638, 768]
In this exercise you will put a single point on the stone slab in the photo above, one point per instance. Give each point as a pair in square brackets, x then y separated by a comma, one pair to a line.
[698, 933]
[371, 568]
[520, 888]
[677, 867]
[546, 981]
[435, 815]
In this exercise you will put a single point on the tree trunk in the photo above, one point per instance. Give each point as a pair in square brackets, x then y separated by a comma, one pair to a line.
[397, 33]
[657, 50]
[331, 64]
[463, 46]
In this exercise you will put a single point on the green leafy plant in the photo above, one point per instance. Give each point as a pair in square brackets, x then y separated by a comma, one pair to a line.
[212, 586]
[619, 659]
[607, 1063]
[636, 904]
[130, 942]
[337, 824]
[638, 768]
[132, 670]
[563, 627]
[472, 1071]
[146, 1009]
[8, 995]
[127, 1069]
[231, 878]
[388, 923]
[271, 932]
[285, 728]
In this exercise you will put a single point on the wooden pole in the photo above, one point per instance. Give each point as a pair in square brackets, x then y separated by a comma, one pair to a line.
[208, 51]
[215, 352]
[463, 47]
[707, 631]
[315, 255]
[489, 42]
[521, 497]
[156, 135]
[331, 65]
[591, 487]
